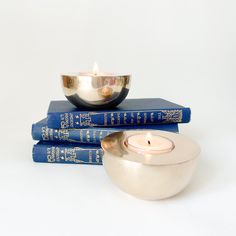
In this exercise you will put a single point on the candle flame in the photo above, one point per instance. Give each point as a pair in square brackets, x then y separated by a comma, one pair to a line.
[149, 138]
[95, 68]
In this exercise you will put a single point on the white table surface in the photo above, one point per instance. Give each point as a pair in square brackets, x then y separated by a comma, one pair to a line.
[183, 52]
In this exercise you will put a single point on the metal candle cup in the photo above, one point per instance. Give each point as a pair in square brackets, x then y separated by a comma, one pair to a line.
[96, 90]
[151, 175]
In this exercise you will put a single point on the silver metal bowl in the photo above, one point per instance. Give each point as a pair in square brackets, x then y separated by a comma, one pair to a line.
[96, 91]
[150, 176]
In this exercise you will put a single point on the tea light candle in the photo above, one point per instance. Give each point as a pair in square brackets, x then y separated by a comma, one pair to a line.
[149, 143]
[96, 72]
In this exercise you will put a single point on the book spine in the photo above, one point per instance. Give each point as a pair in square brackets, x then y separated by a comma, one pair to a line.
[112, 119]
[93, 135]
[90, 136]
[71, 155]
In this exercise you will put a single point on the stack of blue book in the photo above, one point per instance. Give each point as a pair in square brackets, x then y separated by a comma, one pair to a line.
[73, 135]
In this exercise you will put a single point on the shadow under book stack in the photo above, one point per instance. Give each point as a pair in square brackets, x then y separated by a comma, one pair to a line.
[73, 135]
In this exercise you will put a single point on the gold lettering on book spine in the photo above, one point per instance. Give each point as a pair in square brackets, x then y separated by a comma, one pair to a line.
[85, 120]
[51, 154]
[173, 116]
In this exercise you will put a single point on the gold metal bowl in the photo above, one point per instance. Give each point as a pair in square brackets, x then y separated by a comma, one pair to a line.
[150, 176]
[95, 91]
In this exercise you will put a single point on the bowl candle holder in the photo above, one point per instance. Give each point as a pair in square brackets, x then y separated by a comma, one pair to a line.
[96, 91]
[150, 165]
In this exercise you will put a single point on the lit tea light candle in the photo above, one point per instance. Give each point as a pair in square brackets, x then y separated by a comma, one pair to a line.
[95, 72]
[95, 68]
[149, 143]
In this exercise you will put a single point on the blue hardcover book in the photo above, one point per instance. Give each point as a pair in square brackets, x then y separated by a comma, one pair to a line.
[51, 152]
[64, 115]
[92, 135]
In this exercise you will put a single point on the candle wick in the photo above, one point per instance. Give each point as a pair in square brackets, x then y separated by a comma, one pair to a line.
[149, 142]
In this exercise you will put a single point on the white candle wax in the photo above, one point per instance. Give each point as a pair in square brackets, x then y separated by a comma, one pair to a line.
[149, 144]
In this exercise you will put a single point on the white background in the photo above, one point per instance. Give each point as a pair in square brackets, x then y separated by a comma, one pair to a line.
[183, 51]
